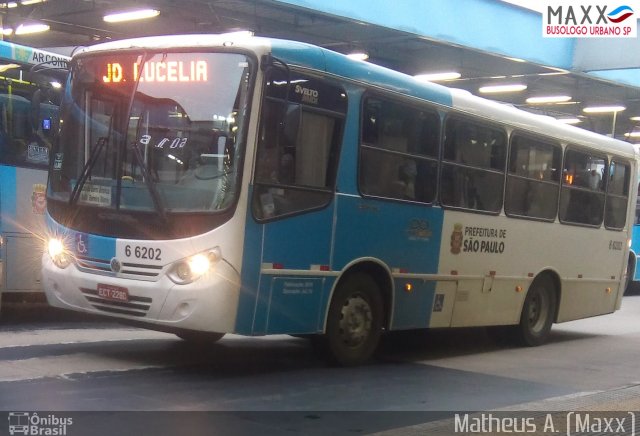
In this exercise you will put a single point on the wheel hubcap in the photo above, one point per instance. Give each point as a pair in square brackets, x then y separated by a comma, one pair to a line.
[355, 321]
[538, 311]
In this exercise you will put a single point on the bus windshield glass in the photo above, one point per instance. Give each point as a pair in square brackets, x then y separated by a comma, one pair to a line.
[152, 132]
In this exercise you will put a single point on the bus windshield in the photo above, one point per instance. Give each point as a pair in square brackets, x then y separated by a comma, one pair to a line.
[152, 132]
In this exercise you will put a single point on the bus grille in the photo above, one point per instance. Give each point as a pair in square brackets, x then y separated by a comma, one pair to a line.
[133, 270]
[136, 306]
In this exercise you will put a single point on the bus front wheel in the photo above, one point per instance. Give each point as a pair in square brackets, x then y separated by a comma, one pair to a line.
[538, 312]
[354, 322]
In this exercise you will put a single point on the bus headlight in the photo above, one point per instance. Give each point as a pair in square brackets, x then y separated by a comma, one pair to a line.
[192, 268]
[58, 253]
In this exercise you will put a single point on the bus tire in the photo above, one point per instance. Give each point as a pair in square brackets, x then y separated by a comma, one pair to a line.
[629, 284]
[194, 337]
[538, 312]
[354, 322]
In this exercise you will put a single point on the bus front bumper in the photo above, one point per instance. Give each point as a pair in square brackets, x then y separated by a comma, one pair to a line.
[207, 304]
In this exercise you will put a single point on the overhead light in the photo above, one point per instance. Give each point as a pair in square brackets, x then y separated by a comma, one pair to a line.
[632, 135]
[26, 29]
[358, 56]
[569, 120]
[56, 85]
[495, 89]
[31, 2]
[6, 31]
[635, 118]
[139, 14]
[9, 5]
[548, 99]
[603, 109]
[435, 77]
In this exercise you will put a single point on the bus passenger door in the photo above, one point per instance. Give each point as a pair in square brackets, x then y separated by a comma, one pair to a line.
[290, 223]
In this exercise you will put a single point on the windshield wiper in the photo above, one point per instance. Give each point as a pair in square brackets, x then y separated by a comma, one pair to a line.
[151, 186]
[87, 168]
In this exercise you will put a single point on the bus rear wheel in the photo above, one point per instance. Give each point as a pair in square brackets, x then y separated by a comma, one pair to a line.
[538, 313]
[354, 322]
[629, 284]
[194, 337]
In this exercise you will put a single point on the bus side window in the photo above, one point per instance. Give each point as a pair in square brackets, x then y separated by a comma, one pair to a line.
[617, 195]
[582, 202]
[297, 174]
[399, 150]
[533, 178]
[473, 166]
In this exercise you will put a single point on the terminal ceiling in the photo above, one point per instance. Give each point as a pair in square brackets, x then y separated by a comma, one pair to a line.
[79, 23]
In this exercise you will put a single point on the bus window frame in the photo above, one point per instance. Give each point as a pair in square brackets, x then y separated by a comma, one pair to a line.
[593, 153]
[545, 140]
[335, 161]
[621, 161]
[504, 128]
[418, 105]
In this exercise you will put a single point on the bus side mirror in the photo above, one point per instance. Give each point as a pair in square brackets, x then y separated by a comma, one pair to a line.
[291, 124]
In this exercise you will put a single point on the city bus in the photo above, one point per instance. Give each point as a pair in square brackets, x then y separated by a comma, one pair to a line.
[212, 184]
[30, 94]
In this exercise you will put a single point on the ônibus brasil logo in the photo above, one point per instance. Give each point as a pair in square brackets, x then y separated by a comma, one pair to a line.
[590, 19]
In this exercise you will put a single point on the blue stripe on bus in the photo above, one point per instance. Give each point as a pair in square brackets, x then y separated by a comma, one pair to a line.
[334, 63]
[404, 237]
[635, 247]
[269, 303]
[250, 278]
[347, 177]
[412, 307]
[84, 244]
[410, 242]
[8, 200]
[100, 247]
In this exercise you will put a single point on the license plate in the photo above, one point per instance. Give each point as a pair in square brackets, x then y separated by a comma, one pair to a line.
[114, 293]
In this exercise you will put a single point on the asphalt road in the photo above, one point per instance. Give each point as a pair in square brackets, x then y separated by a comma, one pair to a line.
[109, 377]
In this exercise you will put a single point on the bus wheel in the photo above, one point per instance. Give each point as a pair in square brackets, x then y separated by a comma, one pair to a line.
[194, 337]
[354, 322]
[537, 313]
[629, 284]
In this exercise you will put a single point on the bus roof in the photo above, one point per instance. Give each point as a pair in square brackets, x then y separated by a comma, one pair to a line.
[313, 57]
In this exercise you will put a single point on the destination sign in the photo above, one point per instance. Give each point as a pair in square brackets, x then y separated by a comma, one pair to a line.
[157, 71]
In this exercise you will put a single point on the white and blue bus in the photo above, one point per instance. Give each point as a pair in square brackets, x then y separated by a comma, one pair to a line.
[30, 94]
[206, 185]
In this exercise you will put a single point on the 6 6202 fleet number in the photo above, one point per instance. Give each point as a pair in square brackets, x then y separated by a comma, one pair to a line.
[142, 252]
